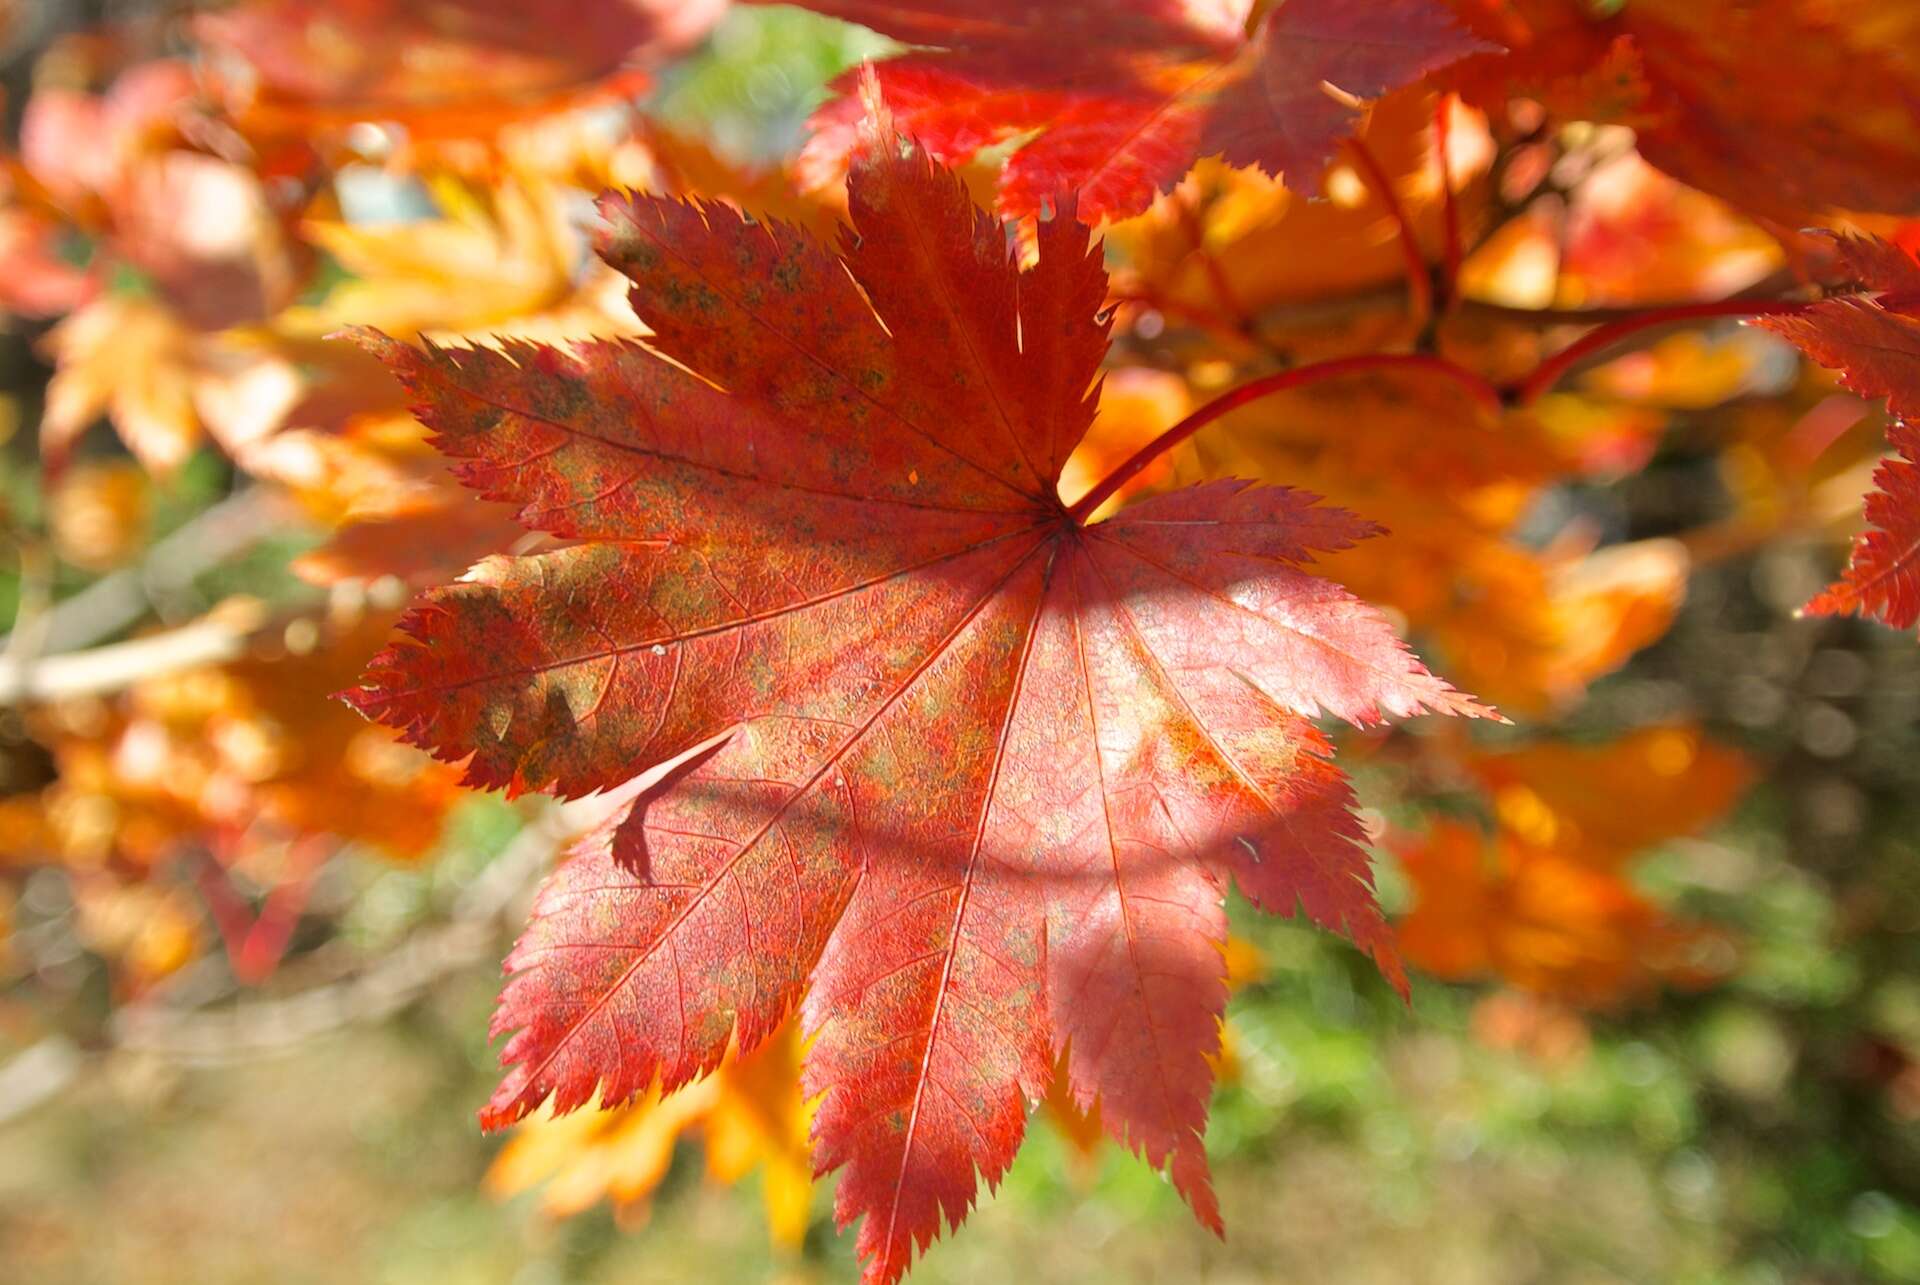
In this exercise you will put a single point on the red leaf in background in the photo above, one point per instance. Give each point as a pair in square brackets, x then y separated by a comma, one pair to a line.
[1884, 266]
[36, 280]
[79, 147]
[1877, 351]
[1875, 348]
[1783, 107]
[436, 67]
[1882, 579]
[1118, 98]
[972, 778]
[117, 165]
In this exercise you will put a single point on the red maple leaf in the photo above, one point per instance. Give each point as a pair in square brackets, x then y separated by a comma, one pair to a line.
[969, 776]
[1876, 348]
[1117, 98]
[1888, 267]
[1832, 129]
[1882, 579]
[1871, 341]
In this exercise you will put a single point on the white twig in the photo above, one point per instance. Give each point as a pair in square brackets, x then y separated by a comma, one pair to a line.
[112, 603]
[36, 1074]
[220, 636]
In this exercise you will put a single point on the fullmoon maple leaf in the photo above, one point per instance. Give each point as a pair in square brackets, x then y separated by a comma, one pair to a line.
[964, 779]
[1117, 98]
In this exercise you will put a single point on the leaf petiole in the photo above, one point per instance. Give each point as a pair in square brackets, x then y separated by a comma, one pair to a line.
[1419, 276]
[1449, 211]
[1549, 372]
[1265, 386]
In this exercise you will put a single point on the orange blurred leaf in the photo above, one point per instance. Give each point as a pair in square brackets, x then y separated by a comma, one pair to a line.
[1542, 920]
[438, 68]
[1568, 798]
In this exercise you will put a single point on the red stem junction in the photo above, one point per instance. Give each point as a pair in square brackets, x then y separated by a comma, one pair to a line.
[1521, 393]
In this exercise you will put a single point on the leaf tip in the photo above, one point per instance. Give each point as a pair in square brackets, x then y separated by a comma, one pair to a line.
[371, 338]
[493, 1117]
[357, 699]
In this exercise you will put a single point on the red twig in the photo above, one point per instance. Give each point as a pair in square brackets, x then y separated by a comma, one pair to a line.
[256, 943]
[1419, 279]
[228, 909]
[1265, 386]
[1548, 373]
[1449, 209]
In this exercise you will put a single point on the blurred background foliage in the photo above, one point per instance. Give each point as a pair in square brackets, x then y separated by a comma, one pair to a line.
[1666, 1023]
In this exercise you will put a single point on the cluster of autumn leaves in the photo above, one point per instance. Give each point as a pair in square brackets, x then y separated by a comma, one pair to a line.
[1273, 192]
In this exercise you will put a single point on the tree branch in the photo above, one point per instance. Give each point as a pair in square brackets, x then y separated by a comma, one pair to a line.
[222, 635]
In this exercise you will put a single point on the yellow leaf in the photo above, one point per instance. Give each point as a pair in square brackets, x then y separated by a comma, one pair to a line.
[749, 1113]
[129, 359]
[500, 259]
